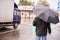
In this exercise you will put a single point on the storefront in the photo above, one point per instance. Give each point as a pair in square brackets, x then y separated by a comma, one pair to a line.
[26, 11]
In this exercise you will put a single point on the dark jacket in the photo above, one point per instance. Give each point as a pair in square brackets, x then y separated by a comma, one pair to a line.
[41, 26]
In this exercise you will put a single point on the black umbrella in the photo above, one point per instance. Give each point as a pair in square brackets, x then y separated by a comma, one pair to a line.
[46, 14]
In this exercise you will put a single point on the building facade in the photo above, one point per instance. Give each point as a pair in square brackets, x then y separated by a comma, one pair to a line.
[26, 11]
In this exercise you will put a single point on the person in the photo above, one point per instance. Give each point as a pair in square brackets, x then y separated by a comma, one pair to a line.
[41, 28]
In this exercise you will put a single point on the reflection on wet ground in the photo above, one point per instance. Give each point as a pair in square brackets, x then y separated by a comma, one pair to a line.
[24, 32]
[4, 29]
[13, 35]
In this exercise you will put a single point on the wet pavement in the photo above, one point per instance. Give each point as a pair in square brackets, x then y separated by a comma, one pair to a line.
[24, 32]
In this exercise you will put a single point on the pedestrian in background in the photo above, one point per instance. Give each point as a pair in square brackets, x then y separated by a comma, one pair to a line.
[41, 28]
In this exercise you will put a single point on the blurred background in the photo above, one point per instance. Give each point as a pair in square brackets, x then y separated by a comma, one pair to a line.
[29, 4]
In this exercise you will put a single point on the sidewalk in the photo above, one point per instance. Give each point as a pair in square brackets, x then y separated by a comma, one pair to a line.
[26, 31]
[55, 32]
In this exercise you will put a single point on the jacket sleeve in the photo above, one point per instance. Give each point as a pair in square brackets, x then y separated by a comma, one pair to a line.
[49, 28]
[34, 22]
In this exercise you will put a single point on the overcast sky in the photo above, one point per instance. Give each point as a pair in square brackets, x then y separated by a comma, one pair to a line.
[53, 4]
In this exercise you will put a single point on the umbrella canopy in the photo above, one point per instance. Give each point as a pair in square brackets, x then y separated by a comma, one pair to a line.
[39, 9]
[46, 14]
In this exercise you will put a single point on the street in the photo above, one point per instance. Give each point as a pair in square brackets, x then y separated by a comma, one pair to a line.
[24, 32]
